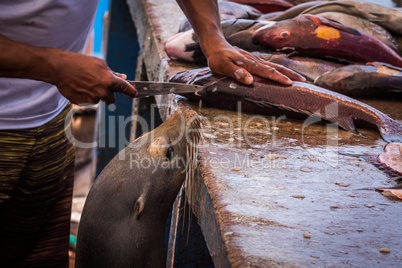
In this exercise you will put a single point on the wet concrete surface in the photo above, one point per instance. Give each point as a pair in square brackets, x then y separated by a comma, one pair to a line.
[280, 193]
[293, 200]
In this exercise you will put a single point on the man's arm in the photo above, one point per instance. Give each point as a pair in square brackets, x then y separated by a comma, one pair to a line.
[79, 78]
[222, 57]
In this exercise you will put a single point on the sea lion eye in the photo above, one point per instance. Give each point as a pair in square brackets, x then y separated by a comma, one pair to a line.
[170, 153]
[284, 34]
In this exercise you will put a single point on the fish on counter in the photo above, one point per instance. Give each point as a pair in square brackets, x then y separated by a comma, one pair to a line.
[185, 45]
[314, 36]
[398, 40]
[363, 25]
[391, 192]
[267, 97]
[389, 18]
[391, 159]
[367, 81]
[229, 10]
[310, 68]
[298, 2]
[391, 163]
[293, 11]
[266, 6]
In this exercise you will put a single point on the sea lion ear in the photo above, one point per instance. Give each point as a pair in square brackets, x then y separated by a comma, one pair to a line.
[139, 206]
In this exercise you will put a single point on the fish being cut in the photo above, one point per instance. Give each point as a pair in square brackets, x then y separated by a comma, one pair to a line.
[267, 97]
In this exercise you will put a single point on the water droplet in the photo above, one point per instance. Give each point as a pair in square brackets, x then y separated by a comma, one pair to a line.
[233, 85]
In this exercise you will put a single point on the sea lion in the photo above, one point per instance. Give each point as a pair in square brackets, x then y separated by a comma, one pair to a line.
[124, 217]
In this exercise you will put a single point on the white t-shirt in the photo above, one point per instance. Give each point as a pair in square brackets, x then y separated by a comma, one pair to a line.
[64, 24]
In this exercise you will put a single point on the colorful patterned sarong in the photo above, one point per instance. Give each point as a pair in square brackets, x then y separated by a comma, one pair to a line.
[36, 183]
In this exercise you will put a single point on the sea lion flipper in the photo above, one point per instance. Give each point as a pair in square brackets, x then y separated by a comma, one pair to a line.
[139, 206]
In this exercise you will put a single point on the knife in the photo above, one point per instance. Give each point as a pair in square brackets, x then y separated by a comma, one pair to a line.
[149, 88]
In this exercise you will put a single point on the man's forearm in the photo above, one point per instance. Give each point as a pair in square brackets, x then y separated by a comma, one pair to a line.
[80, 78]
[205, 21]
[19, 60]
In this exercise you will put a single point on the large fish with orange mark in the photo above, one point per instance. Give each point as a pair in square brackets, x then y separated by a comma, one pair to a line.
[315, 36]
[267, 97]
[363, 25]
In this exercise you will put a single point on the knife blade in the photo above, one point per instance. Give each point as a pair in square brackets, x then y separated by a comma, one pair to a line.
[150, 88]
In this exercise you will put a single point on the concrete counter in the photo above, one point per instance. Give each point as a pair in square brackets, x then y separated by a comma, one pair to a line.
[272, 191]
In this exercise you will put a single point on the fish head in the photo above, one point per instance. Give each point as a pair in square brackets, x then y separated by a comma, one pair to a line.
[284, 34]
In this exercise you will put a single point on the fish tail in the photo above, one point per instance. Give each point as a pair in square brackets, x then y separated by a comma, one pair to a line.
[391, 131]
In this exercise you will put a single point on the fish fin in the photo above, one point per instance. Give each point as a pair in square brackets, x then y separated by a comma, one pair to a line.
[326, 22]
[346, 123]
[377, 63]
[391, 131]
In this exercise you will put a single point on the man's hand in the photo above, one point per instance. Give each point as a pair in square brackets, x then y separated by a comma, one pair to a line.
[79, 78]
[223, 58]
[87, 79]
[240, 64]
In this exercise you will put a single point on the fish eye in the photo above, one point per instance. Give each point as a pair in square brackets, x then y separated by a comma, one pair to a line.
[284, 34]
[170, 153]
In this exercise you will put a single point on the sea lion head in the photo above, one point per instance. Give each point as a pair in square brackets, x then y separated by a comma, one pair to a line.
[127, 208]
[168, 153]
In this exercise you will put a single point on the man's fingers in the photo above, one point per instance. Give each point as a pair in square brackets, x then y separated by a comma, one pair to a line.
[269, 70]
[271, 73]
[242, 75]
[122, 76]
[288, 72]
[124, 87]
[110, 98]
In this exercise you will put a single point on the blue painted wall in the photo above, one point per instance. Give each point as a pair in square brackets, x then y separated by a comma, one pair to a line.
[98, 27]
